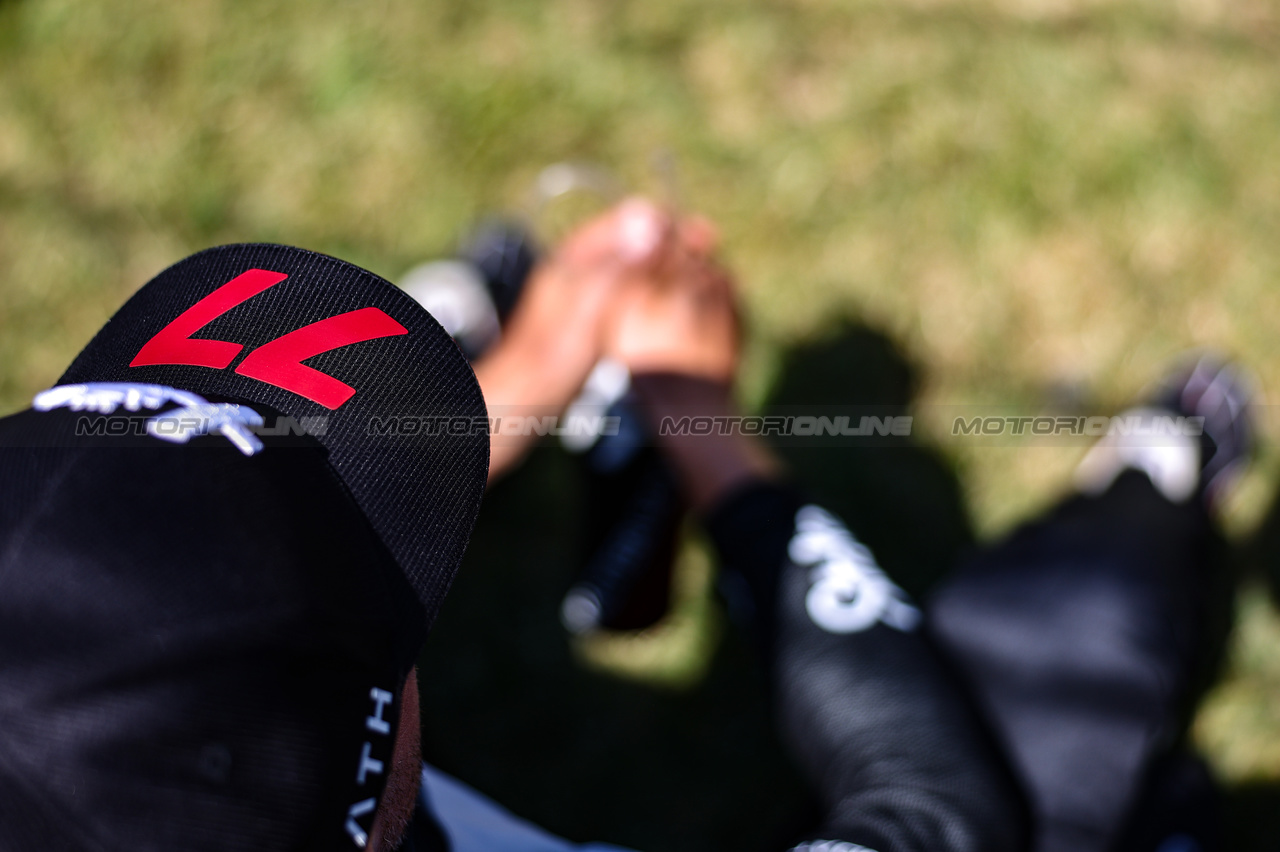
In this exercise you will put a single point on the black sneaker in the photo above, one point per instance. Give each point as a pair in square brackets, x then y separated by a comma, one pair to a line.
[1193, 438]
[1222, 393]
[505, 252]
[473, 294]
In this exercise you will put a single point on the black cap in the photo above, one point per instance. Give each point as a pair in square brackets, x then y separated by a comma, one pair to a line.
[202, 645]
[384, 400]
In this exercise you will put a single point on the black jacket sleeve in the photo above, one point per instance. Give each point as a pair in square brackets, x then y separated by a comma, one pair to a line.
[897, 753]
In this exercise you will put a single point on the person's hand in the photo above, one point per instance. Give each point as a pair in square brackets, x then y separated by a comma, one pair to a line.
[558, 322]
[682, 318]
[555, 336]
[678, 331]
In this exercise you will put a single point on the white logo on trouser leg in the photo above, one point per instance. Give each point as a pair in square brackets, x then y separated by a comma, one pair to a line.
[829, 846]
[848, 592]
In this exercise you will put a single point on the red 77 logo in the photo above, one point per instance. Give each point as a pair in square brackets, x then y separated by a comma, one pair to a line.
[278, 362]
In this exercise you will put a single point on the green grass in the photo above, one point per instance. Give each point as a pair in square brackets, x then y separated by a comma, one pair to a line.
[1024, 194]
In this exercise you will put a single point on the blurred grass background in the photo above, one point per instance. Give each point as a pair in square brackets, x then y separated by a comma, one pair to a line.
[1031, 198]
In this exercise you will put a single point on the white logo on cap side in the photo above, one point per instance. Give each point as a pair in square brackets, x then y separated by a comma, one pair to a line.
[195, 415]
[359, 809]
[381, 698]
[369, 765]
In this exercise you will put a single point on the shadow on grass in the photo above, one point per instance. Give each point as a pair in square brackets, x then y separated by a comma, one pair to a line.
[900, 498]
[1262, 556]
[508, 709]
[1252, 813]
[1252, 809]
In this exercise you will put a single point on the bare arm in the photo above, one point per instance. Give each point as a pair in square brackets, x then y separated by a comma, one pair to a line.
[555, 336]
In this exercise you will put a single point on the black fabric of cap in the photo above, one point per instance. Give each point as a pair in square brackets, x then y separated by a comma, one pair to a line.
[191, 639]
[420, 492]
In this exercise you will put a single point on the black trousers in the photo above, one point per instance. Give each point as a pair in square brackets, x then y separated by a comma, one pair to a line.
[1080, 639]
